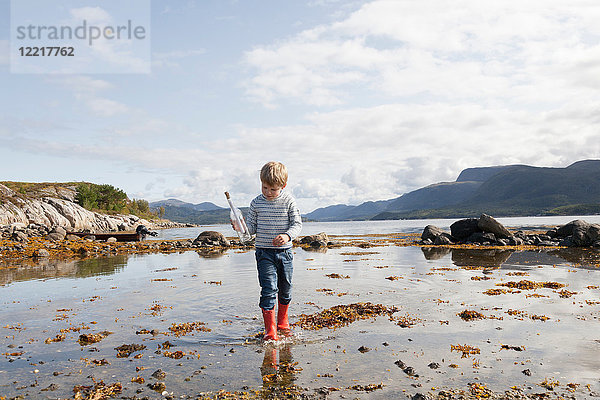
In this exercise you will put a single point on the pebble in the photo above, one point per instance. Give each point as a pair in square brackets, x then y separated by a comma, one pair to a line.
[363, 349]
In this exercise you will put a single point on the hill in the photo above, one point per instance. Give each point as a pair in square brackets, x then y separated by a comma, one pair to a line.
[510, 190]
[205, 206]
[205, 213]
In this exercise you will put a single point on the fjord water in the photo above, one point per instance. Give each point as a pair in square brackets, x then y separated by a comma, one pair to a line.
[138, 293]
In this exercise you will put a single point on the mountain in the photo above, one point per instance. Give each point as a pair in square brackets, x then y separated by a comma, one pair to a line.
[200, 214]
[508, 190]
[206, 206]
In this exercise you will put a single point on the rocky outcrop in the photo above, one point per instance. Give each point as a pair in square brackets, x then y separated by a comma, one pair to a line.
[577, 233]
[462, 229]
[490, 225]
[37, 216]
[486, 230]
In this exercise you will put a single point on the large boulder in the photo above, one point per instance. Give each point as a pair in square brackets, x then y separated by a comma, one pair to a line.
[578, 233]
[317, 241]
[319, 237]
[488, 224]
[431, 232]
[570, 228]
[464, 228]
[211, 238]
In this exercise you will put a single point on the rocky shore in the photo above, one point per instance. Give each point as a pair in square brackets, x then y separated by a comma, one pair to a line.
[55, 208]
[487, 231]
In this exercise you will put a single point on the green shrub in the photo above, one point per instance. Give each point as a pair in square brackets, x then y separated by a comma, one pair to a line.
[111, 200]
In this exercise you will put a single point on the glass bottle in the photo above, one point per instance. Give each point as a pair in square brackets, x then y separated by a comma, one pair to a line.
[237, 220]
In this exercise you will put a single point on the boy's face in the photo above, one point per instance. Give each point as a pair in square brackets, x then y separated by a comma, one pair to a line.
[271, 191]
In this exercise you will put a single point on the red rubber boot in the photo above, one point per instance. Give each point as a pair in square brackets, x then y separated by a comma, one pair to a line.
[270, 325]
[282, 318]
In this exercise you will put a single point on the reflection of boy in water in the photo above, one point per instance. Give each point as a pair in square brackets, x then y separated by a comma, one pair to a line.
[277, 374]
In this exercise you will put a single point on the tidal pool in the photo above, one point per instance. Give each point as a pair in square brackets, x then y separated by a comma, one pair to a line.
[533, 339]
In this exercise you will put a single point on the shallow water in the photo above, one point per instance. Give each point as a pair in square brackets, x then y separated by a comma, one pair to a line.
[121, 294]
[362, 228]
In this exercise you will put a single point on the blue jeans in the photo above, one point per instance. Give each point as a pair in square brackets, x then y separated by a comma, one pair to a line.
[274, 276]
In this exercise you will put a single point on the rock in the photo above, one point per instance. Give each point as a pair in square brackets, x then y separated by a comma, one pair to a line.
[431, 232]
[18, 226]
[157, 386]
[159, 374]
[315, 238]
[516, 241]
[19, 236]
[363, 349]
[480, 237]
[552, 232]
[433, 365]
[464, 228]
[52, 387]
[55, 237]
[56, 208]
[41, 253]
[59, 230]
[442, 239]
[593, 232]
[317, 244]
[72, 237]
[111, 240]
[143, 232]
[570, 228]
[526, 372]
[421, 396]
[211, 238]
[578, 233]
[488, 224]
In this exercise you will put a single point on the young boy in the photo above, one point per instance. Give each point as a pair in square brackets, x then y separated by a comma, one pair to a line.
[275, 219]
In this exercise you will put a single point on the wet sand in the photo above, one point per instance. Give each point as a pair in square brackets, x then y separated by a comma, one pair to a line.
[463, 321]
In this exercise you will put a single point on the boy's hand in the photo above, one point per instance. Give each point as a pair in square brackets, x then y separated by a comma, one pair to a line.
[280, 240]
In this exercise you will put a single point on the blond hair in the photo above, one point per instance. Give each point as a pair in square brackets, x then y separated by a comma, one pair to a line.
[274, 173]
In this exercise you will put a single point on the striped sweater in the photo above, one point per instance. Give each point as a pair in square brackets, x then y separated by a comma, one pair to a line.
[271, 218]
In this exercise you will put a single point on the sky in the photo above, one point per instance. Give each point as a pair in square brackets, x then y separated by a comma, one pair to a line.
[361, 100]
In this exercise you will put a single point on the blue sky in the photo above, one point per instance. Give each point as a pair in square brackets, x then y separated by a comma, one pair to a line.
[362, 100]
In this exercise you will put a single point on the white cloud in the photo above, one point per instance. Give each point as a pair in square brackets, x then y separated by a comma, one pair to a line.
[82, 84]
[86, 89]
[105, 107]
[356, 155]
[519, 53]
[93, 15]
[114, 53]
[172, 58]
[145, 127]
